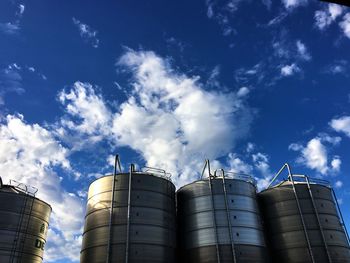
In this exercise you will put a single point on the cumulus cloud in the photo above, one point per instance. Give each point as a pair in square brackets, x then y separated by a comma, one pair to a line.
[345, 25]
[302, 51]
[88, 34]
[236, 164]
[315, 154]
[289, 70]
[87, 115]
[341, 124]
[291, 4]
[325, 17]
[172, 121]
[30, 154]
[338, 184]
[169, 118]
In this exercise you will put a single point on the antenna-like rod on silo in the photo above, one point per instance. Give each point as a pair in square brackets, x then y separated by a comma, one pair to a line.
[110, 235]
[286, 165]
[206, 166]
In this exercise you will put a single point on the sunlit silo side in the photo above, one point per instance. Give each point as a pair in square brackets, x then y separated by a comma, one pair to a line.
[142, 225]
[24, 221]
[303, 223]
[219, 221]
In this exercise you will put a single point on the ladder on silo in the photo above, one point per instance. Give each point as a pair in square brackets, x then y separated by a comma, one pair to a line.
[210, 176]
[110, 232]
[228, 215]
[20, 223]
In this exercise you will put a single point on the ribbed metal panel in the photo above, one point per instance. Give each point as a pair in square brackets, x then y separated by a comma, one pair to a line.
[199, 233]
[152, 236]
[24, 221]
[285, 231]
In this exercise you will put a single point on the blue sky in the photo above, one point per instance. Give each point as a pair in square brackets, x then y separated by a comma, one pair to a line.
[249, 84]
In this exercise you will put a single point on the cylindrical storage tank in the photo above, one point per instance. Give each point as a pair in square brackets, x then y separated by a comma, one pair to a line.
[219, 221]
[323, 238]
[24, 221]
[148, 235]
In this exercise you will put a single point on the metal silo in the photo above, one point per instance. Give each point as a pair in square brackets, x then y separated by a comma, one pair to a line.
[303, 221]
[219, 220]
[139, 226]
[24, 221]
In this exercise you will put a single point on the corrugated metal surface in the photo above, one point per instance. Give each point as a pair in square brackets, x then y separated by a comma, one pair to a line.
[199, 233]
[152, 220]
[24, 222]
[285, 230]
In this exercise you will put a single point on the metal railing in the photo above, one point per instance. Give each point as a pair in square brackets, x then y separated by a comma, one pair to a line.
[156, 172]
[27, 189]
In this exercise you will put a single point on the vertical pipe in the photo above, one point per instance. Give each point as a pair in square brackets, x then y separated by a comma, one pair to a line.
[318, 220]
[214, 218]
[132, 168]
[110, 232]
[233, 251]
[301, 217]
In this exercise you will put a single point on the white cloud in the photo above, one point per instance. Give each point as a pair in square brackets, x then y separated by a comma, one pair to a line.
[236, 164]
[87, 33]
[345, 25]
[10, 81]
[341, 124]
[30, 154]
[335, 10]
[21, 9]
[9, 28]
[338, 184]
[261, 163]
[87, 116]
[302, 51]
[172, 121]
[315, 154]
[291, 4]
[337, 67]
[336, 163]
[289, 70]
[324, 18]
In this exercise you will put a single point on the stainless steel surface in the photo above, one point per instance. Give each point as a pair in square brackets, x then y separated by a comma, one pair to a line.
[285, 231]
[24, 221]
[152, 231]
[197, 227]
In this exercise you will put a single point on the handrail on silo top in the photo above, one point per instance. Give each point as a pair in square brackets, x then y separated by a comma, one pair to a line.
[27, 189]
[110, 233]
[157, 171]
[228, 215]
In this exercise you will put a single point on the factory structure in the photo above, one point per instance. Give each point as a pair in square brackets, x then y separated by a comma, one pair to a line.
[138, 216]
